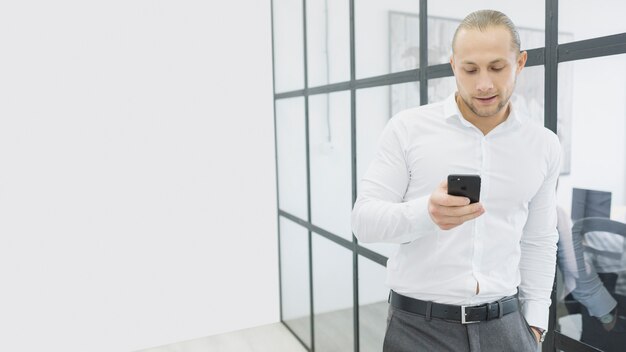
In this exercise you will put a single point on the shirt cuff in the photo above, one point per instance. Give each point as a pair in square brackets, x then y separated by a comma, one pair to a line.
[602, 303]
[420, 221]
[537, 314]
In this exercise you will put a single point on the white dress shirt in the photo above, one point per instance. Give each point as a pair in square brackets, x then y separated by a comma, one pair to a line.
[513, 244]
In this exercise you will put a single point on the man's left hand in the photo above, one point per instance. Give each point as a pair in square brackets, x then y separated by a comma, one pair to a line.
[537, 333]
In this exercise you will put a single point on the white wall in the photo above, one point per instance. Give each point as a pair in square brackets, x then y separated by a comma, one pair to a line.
[137, 182]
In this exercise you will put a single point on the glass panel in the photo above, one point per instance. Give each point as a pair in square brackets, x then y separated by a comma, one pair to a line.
[373, 305]
[592, 115]
[529, 93]
[294, 270]
[288, 45]
[290, 136]
[600, 18]
[381, 34]
[331, 169]
[328, 41]
[440, 88]
[445, 16]
[332, 296]
[374, 107]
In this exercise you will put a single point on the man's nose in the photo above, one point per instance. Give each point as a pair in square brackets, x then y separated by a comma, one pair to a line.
[484, 83]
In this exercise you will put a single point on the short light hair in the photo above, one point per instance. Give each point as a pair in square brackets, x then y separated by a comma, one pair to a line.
[483, 19]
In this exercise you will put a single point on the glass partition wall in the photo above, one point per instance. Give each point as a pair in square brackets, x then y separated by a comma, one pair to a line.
[342, 68]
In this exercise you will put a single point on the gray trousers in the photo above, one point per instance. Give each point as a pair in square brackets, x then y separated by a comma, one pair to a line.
[408, 332]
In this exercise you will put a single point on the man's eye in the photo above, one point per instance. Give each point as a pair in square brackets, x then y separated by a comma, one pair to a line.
[470, 71]
[498, 69]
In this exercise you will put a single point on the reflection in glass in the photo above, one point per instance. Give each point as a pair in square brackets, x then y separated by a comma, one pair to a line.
[374, 107]
[445, 16]
[404, 96]
[294, 270]
[529, 96]
[332, 296]
[404, 41]
[605, 17]
[440, 88]
[591, 262]
[331, 170]
[328, 41]
[376, 30]
[593, 282]
[373, 305]
[288, 45]
[290, 140]
[404, 31]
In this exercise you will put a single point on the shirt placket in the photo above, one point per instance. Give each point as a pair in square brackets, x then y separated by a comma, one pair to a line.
[479, 224]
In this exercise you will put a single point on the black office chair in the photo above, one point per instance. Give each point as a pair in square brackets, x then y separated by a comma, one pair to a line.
[593, 333]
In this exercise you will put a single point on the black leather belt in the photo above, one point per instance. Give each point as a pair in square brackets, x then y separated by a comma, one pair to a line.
[461, 314]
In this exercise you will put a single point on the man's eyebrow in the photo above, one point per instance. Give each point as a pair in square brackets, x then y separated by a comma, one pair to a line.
[467, 62]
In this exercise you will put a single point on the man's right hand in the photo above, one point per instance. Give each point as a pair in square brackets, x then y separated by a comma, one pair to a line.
[611, 325]
[449, 211]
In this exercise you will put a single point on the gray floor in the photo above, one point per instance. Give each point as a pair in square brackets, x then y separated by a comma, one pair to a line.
[273, 337]
[333, 331]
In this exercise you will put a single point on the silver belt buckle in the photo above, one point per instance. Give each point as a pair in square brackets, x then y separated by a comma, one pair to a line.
[463, 314]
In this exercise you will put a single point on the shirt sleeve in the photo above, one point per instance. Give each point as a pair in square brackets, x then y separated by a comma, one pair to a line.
[380, 213]
[580, 278]
[539, 243]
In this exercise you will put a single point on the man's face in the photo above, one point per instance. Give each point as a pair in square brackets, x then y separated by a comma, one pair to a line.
[486, 66]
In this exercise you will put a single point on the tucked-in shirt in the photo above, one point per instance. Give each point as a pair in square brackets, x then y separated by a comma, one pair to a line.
[512, 245]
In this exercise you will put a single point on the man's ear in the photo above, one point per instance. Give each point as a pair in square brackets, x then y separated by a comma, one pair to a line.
[452, 63]
[521, 61]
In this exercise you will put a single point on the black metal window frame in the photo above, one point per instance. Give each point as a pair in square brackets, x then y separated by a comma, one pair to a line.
[548, 56]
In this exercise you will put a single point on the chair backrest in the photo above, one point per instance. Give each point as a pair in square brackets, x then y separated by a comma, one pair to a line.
[604, 248]
[590, 224]
[590, 203]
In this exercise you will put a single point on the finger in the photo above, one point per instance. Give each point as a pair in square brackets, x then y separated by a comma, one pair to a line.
[459, 211]
[473, 215]
[458, 220]
[441, 197]
[452, 201]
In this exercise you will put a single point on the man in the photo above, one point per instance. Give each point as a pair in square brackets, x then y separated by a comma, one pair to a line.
[456, 276]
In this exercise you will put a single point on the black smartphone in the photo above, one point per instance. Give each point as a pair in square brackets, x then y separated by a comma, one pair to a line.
[465, 186]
